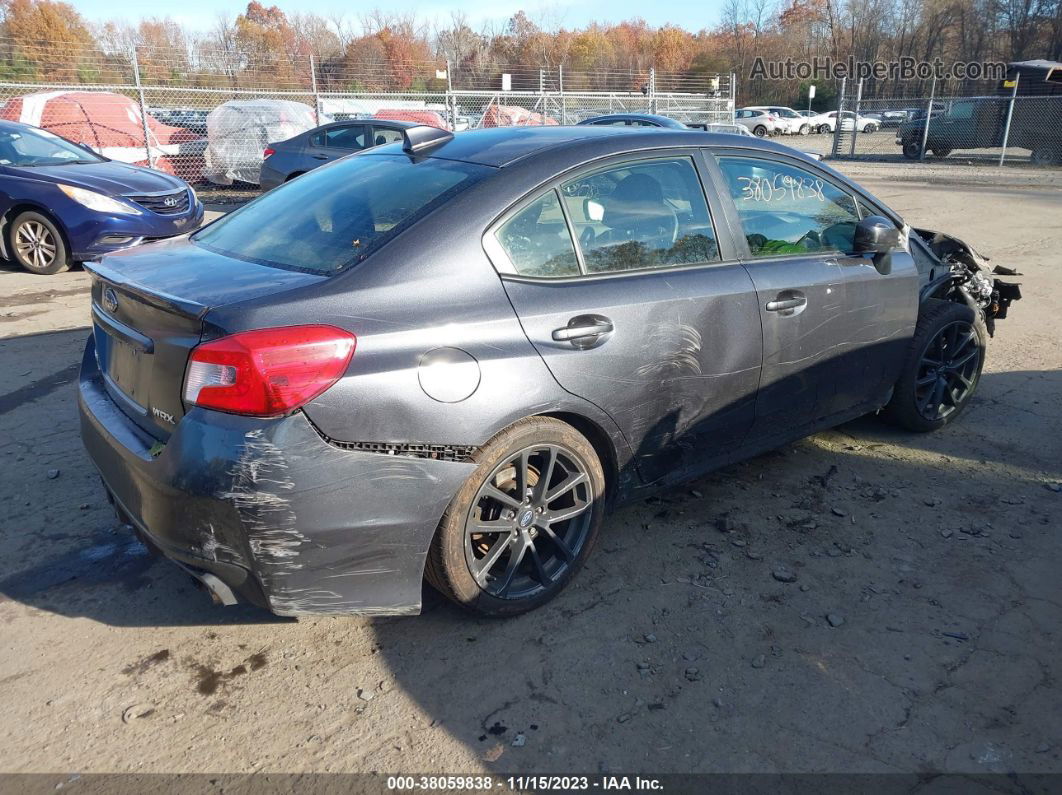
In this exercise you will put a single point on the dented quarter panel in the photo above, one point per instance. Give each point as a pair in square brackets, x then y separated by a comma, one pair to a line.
[317, 529]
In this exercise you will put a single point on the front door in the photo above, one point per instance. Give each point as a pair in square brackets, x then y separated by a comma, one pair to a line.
[635, 304]
[834, 328]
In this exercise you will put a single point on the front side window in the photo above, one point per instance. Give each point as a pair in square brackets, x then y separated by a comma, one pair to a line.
[962, 110]
[644, 214]
[537, 242]
[785, 209]
[336, 215]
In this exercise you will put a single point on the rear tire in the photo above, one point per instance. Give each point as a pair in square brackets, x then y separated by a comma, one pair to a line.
[941, 151]
[509, 541]
[36, 244]
[759, 131]
[942, 369]
[869, 128]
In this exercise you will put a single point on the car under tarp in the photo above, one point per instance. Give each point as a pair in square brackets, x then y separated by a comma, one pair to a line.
[111, 125]
[238, 132]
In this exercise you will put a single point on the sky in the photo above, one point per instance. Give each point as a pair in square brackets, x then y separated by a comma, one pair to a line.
[201, 14]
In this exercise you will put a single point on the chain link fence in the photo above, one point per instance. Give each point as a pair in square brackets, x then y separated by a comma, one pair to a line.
[998, 124]
[208, 134]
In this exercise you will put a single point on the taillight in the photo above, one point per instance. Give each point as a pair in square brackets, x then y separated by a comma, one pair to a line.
[268, 152]
[268, 372]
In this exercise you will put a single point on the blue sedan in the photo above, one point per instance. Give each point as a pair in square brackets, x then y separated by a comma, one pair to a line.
[61, 203]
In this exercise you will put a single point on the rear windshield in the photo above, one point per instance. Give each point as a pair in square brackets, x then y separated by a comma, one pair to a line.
[335, 216]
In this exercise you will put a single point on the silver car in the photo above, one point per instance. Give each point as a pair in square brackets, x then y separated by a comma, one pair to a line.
[450, 357]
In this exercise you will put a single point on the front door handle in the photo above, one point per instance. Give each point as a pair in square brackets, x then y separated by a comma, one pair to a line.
[320, 157]
[584, 331]
[787, 302]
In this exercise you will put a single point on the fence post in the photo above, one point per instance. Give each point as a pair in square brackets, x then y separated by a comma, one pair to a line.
[855, 117]
[1010, 115]
[313, 88]
[733, 97]
[652, 89]
[560, 87]
[929, 118]
[837, 124]
[451, 100]
[143, 110]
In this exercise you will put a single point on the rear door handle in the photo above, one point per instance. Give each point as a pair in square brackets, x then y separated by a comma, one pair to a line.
[786, 304]
[584, 331]
[320, 157]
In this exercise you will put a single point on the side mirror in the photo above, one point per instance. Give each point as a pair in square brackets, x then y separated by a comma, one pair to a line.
[878, 236]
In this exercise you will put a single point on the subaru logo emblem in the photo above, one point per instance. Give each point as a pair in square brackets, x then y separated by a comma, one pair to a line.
[169, 201]
[110, 300]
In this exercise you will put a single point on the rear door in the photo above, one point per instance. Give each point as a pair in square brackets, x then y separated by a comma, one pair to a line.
[634, 298]
[834, 329]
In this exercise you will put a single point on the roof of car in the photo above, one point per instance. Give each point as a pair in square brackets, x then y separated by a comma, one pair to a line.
[502, 146]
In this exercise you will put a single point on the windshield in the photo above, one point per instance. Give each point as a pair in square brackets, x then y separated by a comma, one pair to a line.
[334, 216]
[30, 147]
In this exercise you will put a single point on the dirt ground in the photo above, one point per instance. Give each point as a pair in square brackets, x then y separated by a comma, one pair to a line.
[921, 632]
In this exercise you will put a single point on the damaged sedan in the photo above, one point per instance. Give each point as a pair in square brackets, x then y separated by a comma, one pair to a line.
[448, 358]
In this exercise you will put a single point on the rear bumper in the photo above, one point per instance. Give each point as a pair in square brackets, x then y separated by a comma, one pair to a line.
[279, 516]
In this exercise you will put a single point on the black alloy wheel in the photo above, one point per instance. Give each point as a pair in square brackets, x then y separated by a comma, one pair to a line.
[948, 371]
[529, 521]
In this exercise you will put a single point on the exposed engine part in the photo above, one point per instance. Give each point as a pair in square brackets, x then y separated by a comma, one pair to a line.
[970, 279]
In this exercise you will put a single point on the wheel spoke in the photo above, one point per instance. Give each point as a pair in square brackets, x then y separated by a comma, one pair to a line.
[492, 491]
[486, 563]
[925, 380]
[565, 486]
[546, 475]
[520, 464]
[955, 365]
[560, 543]
[540, 569]
[516, 557]
[489, 526]
[563, 514]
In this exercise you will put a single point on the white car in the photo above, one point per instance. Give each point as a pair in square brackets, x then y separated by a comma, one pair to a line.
[850, 120]
[733, 129]
[759, 122]
[818, 122]
[798, 125]
[789, 121]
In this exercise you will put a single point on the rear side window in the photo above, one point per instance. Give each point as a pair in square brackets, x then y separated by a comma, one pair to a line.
[644, 214]
[537, 242]
[336, 215]
[384, 135]
[352, 137]
[788, 210]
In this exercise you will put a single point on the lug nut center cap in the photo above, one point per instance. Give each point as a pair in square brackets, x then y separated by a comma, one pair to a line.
[526, 518]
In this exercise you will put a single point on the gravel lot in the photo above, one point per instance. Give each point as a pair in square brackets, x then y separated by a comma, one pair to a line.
[862, 601]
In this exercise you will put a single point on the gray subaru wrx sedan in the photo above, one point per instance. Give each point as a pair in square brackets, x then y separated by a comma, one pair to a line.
[446, 358]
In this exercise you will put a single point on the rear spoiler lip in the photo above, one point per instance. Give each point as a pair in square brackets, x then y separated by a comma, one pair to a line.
[157, 299]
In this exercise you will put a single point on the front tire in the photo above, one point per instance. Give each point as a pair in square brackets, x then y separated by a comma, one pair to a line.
[523, 523]
[912, 150]
[36, 244]
[943, 367]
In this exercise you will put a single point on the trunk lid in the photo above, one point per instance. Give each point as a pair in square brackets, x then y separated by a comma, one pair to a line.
[149, 306]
